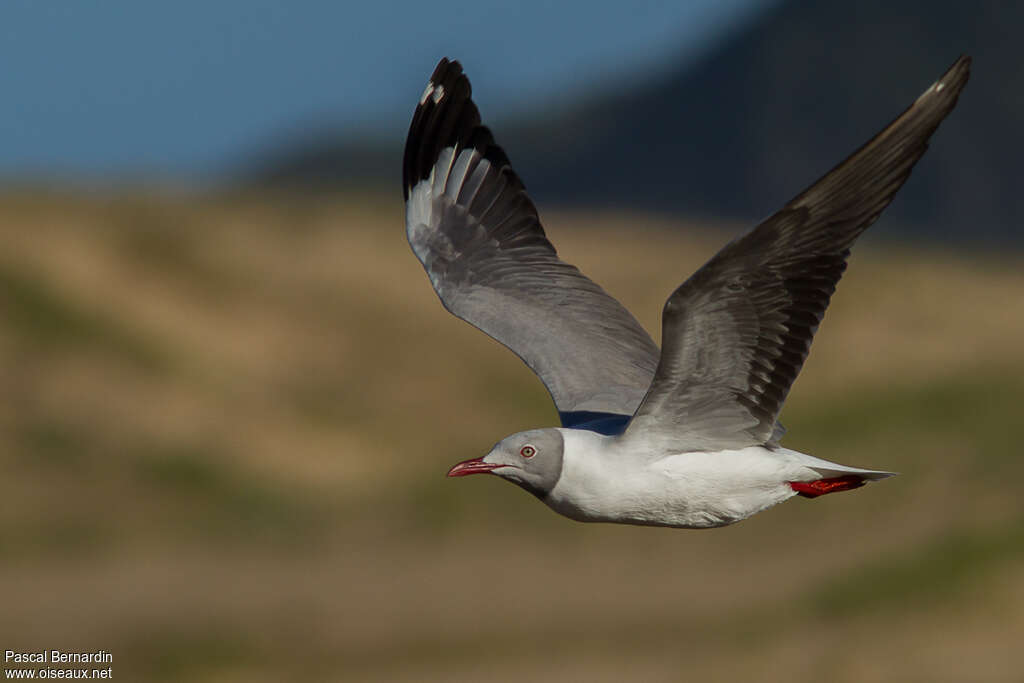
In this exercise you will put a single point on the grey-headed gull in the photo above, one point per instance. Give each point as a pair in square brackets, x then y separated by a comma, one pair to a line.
[685, 437]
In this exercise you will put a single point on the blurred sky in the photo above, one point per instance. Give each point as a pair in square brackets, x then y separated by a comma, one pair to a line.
[113, 87]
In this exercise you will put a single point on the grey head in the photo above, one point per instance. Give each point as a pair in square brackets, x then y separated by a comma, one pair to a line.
[531, 459]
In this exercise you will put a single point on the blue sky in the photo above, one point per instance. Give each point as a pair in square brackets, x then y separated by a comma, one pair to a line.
[112, 87]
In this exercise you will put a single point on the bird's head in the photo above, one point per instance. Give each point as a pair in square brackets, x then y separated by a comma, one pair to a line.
[530, 459]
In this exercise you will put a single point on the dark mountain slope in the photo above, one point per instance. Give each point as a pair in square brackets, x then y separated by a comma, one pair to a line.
[767, 112]
[777, 105]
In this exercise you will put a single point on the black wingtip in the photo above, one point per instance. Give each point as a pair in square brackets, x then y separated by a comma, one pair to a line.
[878, 169]
[943, 94]
[960, 68]
[446, 71]
[955, 78]
[446, 116]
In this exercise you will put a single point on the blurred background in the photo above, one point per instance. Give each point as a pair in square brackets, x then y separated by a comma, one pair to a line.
[230, 396]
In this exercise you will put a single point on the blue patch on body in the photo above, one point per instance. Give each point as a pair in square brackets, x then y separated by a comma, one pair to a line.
[609, 424]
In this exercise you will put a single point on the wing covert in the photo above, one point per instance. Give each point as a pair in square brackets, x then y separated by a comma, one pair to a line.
[478, 236]
[737, 332]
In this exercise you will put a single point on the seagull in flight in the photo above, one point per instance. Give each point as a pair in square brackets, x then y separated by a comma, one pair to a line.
[687, 436]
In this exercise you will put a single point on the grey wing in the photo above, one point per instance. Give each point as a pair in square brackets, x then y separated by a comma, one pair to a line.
[472, 225]
[736, 333]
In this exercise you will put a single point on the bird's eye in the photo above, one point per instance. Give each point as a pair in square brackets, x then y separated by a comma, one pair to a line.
[527, 451]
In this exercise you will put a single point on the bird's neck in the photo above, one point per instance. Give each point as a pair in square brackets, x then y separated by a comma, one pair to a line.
[592, 471]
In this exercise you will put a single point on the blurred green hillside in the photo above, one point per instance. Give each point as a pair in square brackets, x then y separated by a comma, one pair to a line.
[225, 424]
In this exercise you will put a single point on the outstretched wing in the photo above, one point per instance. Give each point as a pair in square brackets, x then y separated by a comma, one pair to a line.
[737, 332]
[472, 225]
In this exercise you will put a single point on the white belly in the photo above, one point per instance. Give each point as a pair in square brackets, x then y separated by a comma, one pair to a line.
[692, 490]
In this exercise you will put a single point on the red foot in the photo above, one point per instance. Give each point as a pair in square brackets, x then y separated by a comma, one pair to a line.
[813, 489]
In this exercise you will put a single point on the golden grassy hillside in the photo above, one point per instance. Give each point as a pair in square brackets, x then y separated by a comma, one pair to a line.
[225, 424]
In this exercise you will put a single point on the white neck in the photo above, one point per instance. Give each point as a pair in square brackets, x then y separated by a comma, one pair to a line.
[595, 478]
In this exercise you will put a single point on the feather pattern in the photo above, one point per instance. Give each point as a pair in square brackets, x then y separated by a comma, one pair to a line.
[478, 235]
[736, 333]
